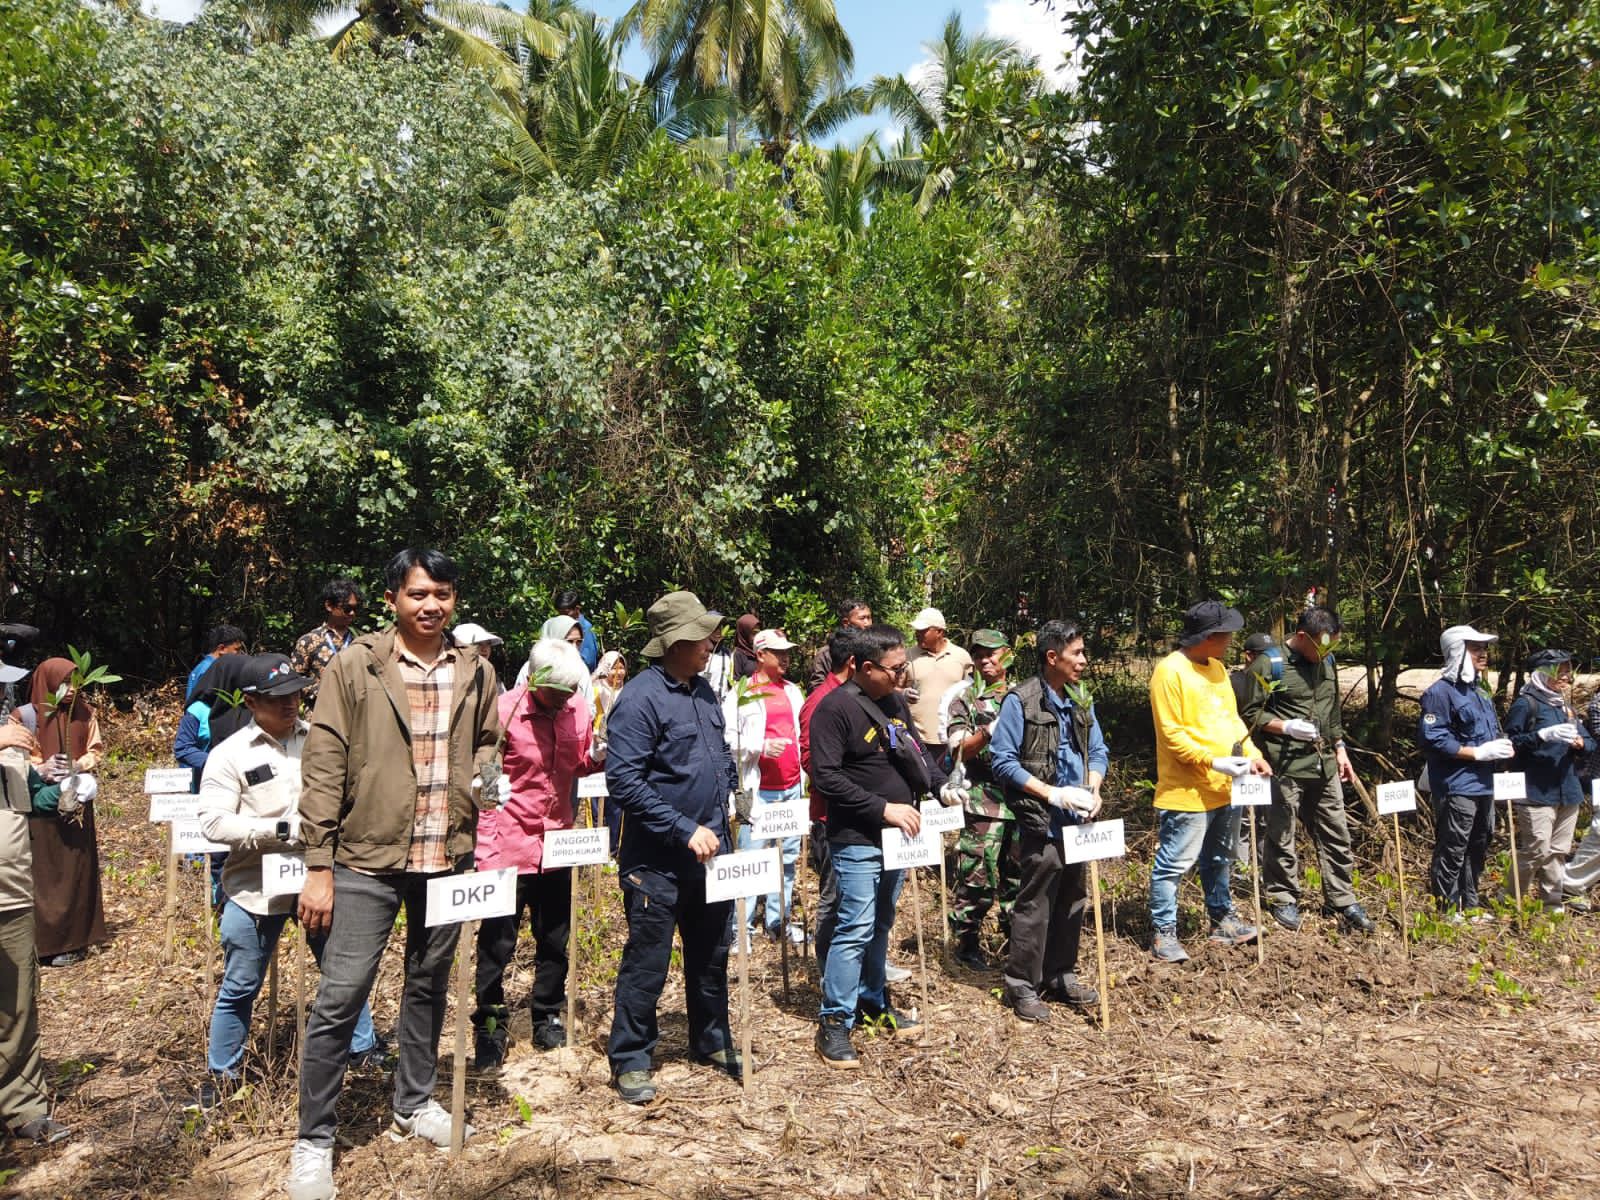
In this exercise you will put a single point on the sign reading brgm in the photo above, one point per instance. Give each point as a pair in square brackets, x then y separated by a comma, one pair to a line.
[1397, 797]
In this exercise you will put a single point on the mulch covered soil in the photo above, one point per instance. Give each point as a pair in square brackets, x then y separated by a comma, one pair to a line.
[1341, 1067]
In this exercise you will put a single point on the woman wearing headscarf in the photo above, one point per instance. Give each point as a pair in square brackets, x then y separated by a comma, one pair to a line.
[68, 916]
[744, 646]
[608, 678]
[1550, 744]
[563, 629]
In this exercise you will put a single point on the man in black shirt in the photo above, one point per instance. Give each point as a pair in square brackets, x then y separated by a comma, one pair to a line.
[870, 770]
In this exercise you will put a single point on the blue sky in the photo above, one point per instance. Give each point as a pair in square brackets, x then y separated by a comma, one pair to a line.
[887, 34]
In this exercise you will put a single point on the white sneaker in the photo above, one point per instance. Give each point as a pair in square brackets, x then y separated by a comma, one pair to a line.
[797, 936]
[894, 974]
[430, 1123]
[310, 1172]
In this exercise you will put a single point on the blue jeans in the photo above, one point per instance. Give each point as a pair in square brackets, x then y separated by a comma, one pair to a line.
[776, 916]
[1187, 838]
[853, 972]
[248, 944]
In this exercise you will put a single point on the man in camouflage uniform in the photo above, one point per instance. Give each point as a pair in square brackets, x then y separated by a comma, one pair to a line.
[988, 865]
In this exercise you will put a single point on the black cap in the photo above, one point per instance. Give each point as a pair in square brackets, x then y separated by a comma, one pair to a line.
[1209, 617]
[271, 676]
[1257, 642]
[1543, 659]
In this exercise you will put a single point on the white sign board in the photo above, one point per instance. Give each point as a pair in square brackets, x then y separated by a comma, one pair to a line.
[575, 847]
[1252, 791]
[1098, 839]
[746, 873]
[158, 780]
[940, 819]
[174, 806]
[1594, 792]
[1397, 797]
[454, 899]
[592, 785]
[1510, 785]
[901, 853]
[783, 819]
[283, 874]
[187, 839]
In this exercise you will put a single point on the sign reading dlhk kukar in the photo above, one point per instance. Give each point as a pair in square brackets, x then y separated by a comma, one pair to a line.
[901, 853]
[454, 899]
[747, 873]
[160, 780]
[576, 847]
[174, 806]
[781, 819]
[283, 874]
[939, 818]
[1097, 840]
[1397, 797]
[1510, 785]
[1252, 791]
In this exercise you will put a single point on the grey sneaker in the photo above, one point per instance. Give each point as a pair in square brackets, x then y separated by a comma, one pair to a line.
[431, 1123]
[1232, 930]
[42, 1131]
[1025, 1002]
[1166, 946]
[1069, 989]
[310, 1172]
[1286, 914]
[636, 1087]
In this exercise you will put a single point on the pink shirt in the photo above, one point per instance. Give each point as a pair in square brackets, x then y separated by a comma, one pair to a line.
[781, 772]
[543, 756]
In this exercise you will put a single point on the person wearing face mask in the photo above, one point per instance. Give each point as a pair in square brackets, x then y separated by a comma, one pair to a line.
[1460, 734]
[1550, 743]
[1298, 725]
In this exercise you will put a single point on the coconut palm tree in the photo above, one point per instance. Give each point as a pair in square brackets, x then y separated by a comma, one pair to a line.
[737, 46]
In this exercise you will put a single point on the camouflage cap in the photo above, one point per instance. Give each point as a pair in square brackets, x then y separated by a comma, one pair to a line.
[989, 639]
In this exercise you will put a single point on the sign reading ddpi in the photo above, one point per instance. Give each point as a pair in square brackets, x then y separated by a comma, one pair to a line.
[1252, 791]
[453, 899]
[747, 873]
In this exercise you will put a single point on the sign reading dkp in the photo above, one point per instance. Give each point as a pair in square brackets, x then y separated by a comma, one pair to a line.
[454, 899]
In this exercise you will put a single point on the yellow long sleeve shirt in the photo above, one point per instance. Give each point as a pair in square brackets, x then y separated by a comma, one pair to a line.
[1197, 720]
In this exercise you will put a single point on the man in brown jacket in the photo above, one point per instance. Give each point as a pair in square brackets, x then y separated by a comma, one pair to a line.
[404, 721]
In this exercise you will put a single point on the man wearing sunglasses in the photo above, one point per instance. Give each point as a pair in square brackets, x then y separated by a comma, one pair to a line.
[341, 601]
[1296, 718]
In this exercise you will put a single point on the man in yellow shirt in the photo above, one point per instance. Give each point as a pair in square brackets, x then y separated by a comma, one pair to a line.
[1202, 745]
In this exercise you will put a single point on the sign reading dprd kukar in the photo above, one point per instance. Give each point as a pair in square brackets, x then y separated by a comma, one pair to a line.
[770, 822]
[743, 874]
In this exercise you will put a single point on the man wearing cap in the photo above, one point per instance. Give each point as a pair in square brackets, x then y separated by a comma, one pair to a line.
[1459, 732]
[1247, 683]
[1202, 745]
[1301, 733]
[764, 736]
[314, 649]
[549, 743]
[669, 772]
[405, 720]
[10, 676]
[853, 614]
[988, 852]
[933, 667]
[249, 798]
[1550, 743]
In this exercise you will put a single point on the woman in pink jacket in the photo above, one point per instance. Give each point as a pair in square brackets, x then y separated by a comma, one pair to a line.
[548, 744]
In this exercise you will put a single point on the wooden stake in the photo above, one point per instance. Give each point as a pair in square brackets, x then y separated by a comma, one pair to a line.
[805, 911]
[926, 1014]
[1511, 832]
[211, 938]
[572, 962]
[171, 912]
[1400, 874]
[944, 910]
[1255, 885]
[301, 953]
[744, 996]
[1100, 948]
[272, 1006]
[783, 921]
[465, 945]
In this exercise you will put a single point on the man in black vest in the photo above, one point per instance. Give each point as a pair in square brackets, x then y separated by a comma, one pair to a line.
[1048, 753]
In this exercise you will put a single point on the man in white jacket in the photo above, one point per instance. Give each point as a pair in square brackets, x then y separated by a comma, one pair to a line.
[763, 732]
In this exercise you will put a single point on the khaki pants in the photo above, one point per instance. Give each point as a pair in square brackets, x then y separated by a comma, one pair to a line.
[22, 1092]
[1544, 838]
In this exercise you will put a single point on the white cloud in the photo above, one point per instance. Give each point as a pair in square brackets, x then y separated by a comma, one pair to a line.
[1040, 32]
[172, 10]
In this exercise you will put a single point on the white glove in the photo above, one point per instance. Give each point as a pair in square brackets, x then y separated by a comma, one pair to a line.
[1234, 766]
[1565, 732]
[1301, 731]
[1073, 799]
[77, 790]
[1493, 751]
[597, 751]
[952, 794]
[502, 790]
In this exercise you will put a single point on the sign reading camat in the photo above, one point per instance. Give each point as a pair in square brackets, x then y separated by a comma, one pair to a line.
[747, 873]
[283, 874]
[575, 847]
[453, 899]
[1097, 840]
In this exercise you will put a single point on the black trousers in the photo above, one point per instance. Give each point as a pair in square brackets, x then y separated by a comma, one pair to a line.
[547, 899]
[1047, 923]
[1462, 826]
[656, 904]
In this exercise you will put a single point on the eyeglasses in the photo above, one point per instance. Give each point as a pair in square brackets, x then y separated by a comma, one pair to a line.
[349, 608]
[895, 672]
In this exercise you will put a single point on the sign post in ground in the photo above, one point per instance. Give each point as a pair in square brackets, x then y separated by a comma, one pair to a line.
[904, 853]
[940, 819]
[1252, 792]
[170, 799]
[1090, 843]
[1394, 799]
[738, 877]
[574, 848]
[776, 822]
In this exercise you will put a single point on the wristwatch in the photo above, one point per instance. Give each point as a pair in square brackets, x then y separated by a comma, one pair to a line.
[282, 831]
